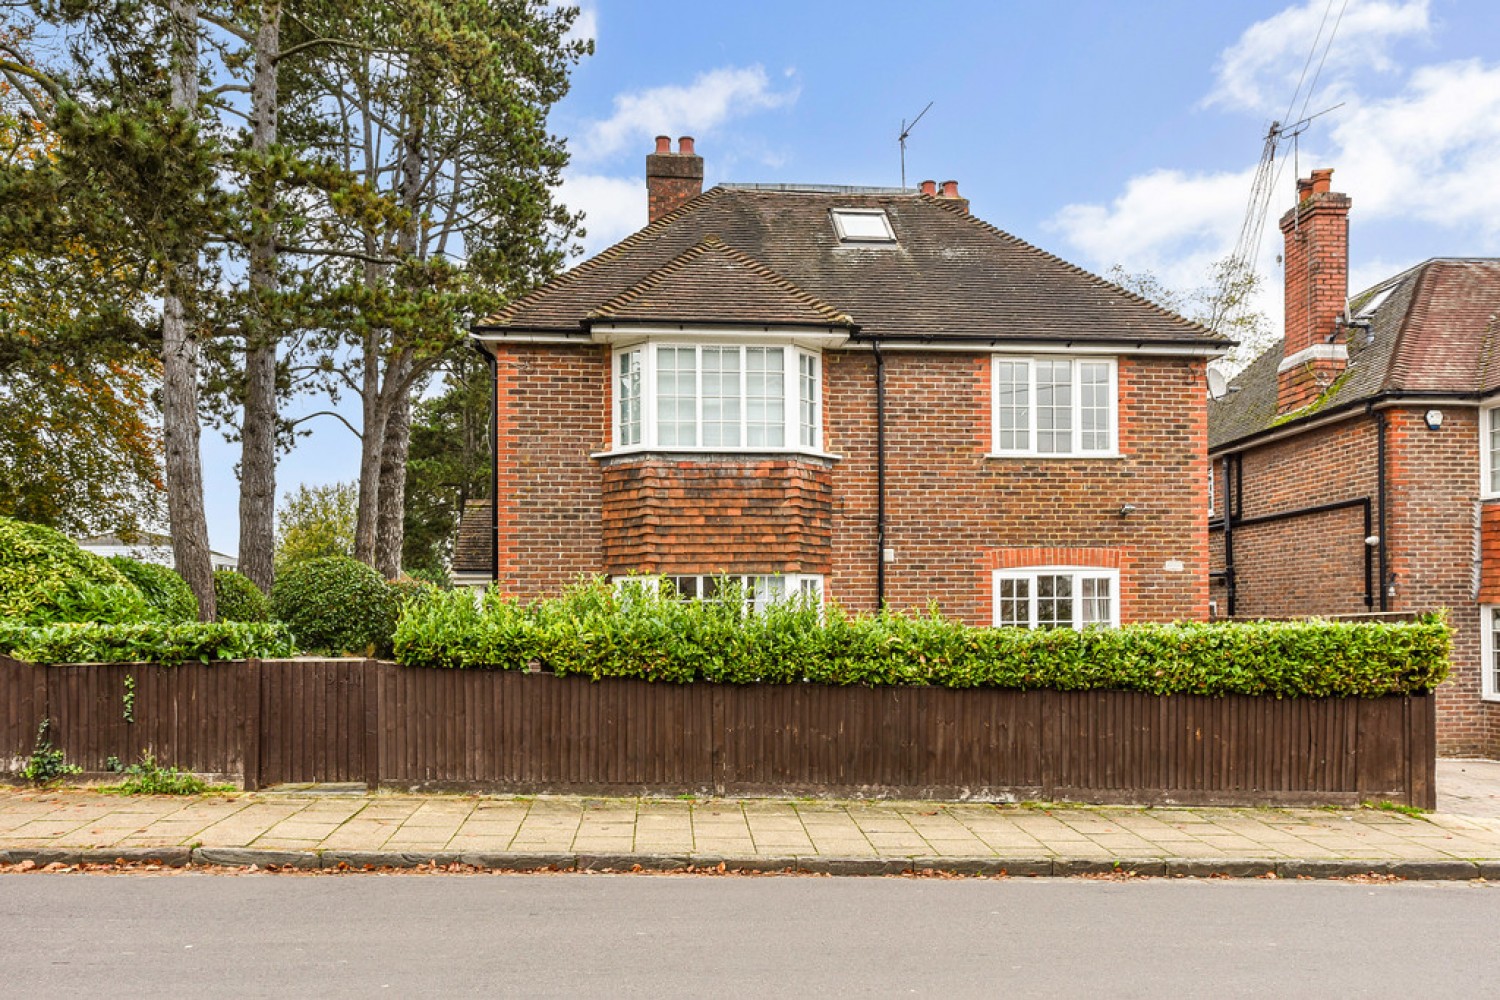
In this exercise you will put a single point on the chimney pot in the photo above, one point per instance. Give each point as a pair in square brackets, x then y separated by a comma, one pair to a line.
[1321, 181]
[685, 145]
[929, 187]
[950, 189]
[664, 144]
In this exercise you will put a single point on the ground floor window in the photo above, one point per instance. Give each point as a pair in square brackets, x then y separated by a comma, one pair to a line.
[1057, 597]
[1489, 644]
[758, 590]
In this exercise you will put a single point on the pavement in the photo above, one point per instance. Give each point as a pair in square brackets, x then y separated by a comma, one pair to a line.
[343, 827]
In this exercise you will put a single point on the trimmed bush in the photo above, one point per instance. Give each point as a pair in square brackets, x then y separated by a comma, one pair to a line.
[163, 589]
[239, 599]
[336, 605]
[45, 577]
[599, 632]
[146, 642]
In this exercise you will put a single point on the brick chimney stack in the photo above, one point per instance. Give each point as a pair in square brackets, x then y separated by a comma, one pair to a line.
[1317, 288]
[672, 178]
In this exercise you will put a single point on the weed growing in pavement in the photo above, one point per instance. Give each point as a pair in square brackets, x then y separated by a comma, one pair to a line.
[46, 763]
[149, 778]
[1384, 805]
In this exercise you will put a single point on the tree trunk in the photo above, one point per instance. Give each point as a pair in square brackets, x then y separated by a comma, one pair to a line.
[179, 356]
[392, 521]
[258, 429]
[371, 445]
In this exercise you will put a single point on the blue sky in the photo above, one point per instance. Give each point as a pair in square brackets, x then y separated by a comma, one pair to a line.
[1105, 132]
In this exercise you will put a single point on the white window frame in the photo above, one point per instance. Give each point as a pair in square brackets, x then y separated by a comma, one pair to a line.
[839, 214]
[1078, 574]
[758, 595]
[1487, 465]
[1031, 450]
[1488, 686]
[791, 383]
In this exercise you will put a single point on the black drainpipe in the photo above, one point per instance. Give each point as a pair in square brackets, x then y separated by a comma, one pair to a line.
[1380, 493]
[1229, 535]
[494, 363]
[879, 476]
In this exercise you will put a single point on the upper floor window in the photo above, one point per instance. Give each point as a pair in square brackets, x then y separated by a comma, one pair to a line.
[1057, 597]
[1489, 451]
[712, 397]
[1053, 406]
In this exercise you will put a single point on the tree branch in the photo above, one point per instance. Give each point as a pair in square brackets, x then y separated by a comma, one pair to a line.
[326, 413]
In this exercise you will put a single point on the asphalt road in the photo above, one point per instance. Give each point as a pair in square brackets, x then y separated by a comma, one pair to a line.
[622, 936]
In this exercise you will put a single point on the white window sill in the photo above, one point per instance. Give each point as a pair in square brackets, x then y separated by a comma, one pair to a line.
[1055, 457]
[730, 452]
[1492, 698]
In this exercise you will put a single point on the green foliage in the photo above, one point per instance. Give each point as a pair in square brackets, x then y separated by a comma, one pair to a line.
[145, 642]
[336, 605]
[239, 599]
[45, 577]
[448, 464]
[148, 777]
[598, 632]
[46, 763]
[316, 522]
[163, 589]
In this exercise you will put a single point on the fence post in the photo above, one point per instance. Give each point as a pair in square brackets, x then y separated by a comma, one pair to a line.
[370, 678]
[250, 714]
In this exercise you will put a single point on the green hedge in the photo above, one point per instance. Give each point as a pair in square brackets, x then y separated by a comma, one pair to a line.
[336, 605]
[163, 589]
[238, 598]
[145, 642]
[45, 577]
[595, 632]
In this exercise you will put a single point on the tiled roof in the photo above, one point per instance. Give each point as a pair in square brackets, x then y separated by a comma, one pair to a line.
[473, 551]
[726, 285]
[1435, 331]
[947, 274]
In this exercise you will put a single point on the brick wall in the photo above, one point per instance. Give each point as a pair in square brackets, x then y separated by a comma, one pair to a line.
[1314, 565]
[951, 511]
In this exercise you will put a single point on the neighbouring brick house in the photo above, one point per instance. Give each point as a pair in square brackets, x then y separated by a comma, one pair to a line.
[1360, 456]
[865, 394]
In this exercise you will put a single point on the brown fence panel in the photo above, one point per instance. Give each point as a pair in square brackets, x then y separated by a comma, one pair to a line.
[312, 716]
[23, 697]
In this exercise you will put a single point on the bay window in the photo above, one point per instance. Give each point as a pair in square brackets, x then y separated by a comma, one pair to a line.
[1053, 406]
[1051, 597]
[715, 397]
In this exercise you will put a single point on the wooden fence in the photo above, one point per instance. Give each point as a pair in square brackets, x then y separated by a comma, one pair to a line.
[275, 721]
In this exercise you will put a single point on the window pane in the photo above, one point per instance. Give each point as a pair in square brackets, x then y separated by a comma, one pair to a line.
[763, 591]
[1054, 601]
[1054, 407]
[676, 396]
[1492, 617]
[1011, 399]
[1015, 603]
[628, 390]
[1096, 600]
[1495, 450]
[686, 587]
[721, 396]
[808, 395]
[765, 397]
[863, 225]
[1093, 405]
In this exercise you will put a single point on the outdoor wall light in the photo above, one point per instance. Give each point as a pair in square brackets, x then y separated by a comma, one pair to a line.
[1126, 509]
[1434, 419]
[1372, 540]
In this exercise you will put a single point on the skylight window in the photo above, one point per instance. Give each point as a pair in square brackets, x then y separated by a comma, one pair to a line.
[867, 225]
[1375, 300]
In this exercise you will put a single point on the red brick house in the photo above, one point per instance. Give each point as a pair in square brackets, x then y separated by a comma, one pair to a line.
[1361, 457]
[866, 394]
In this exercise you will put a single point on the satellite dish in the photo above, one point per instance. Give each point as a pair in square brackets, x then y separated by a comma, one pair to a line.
[1218, 385]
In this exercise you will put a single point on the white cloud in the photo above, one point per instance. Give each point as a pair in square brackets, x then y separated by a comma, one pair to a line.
[1260, 71]
[697, 108]
[586, 25]
[613, 207]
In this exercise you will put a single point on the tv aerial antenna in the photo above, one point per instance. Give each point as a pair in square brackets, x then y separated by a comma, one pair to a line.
[905, 134]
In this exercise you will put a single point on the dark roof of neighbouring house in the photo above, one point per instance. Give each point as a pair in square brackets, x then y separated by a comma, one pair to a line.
[473, 548]
[1432, 331]
[947, 273]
